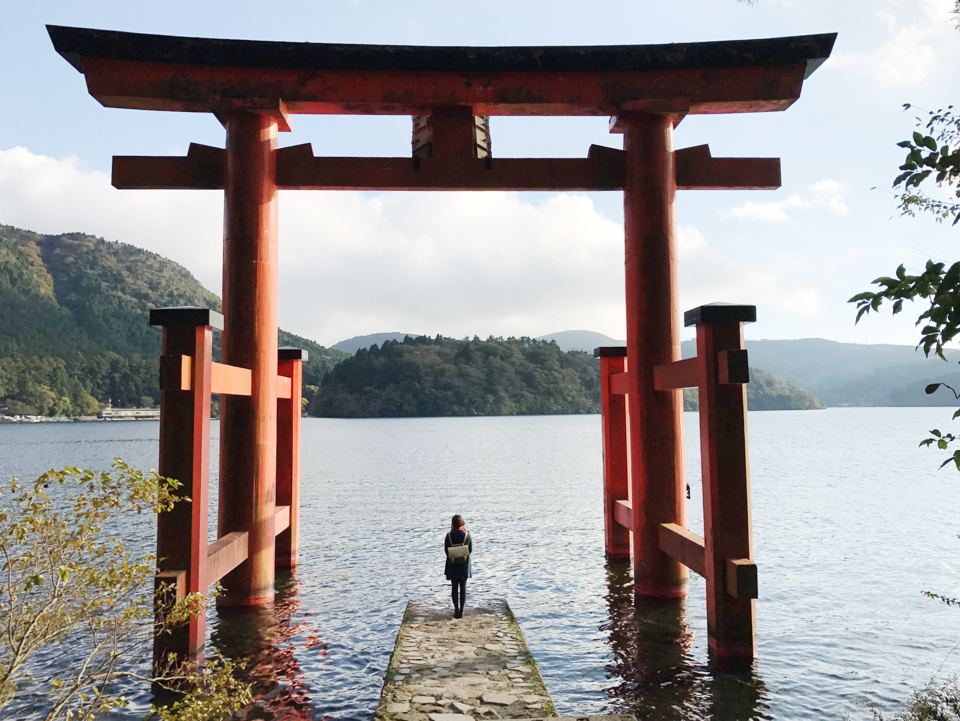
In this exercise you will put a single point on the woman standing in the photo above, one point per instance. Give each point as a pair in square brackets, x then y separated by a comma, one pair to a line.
[457, 549]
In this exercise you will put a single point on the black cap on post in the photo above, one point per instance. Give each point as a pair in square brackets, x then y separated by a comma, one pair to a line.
[720, 313]
[610, 351]
[290, 353]
[186, 315]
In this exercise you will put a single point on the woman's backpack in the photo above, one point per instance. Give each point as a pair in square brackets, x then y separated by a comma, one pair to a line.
[458, 552]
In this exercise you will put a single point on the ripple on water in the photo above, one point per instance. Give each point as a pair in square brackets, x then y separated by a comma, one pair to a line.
[851, 523]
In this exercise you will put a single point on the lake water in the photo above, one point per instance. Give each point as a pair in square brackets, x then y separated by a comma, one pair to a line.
[851, 523]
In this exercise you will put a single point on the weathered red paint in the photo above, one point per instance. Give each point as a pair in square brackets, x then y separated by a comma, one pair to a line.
[248, 425]
[623, 514]
[175, 374]
[283, 519]
[616, 469]
[284, 388]
[619, 384]
[203, 88]
[653, 338]
[289, 412]
[679, 374]
[298, 169]
[684, 545]
[453, 132]
[697, 169]
[725, 466]
[225, 554]
[185, 456]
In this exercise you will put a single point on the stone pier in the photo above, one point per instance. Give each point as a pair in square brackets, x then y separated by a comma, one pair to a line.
[469, 669]
[447, 669]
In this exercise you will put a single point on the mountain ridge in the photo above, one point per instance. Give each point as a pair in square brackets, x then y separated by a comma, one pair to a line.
[851, 374]
[581, 340]
[352, 345]
[836, 373]
[89, 341]
[74, 335]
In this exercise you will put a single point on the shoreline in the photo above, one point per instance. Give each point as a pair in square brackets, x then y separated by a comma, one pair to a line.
[10, 420]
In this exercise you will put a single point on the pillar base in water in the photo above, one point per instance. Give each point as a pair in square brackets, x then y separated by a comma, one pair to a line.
[666, 594]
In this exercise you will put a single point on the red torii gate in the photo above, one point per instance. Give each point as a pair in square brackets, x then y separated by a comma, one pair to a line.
[255, 87]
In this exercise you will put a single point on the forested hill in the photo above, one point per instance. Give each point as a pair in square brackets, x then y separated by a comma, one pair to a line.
[445, 377]
[74, 331]
[765, 393]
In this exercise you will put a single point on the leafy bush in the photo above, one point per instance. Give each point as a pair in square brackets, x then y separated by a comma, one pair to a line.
[939, 701]
[77, 608]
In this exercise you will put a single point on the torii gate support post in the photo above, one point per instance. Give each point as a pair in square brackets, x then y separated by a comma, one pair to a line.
[653, 338]
[289, 413]
[248, 425]
[616, 461]
[725, 465]
[185, 456]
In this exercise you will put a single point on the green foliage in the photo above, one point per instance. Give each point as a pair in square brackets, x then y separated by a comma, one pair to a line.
[445, 377]
[88, 340]
[935, 285]
[938, 701]
[936, 156]
[67, 583]
[215, 693]
[943, 440]
[768, 393]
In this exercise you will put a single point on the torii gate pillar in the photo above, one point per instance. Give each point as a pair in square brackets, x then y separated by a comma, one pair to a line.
[653, 338]
[248, 424]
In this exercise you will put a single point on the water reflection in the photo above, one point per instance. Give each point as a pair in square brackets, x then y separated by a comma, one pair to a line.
[271, 636]
[656, 673]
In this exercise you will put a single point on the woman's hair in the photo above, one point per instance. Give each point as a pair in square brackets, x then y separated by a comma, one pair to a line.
[457, 521]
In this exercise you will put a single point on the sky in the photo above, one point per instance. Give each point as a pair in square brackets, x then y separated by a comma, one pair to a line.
[465, 264]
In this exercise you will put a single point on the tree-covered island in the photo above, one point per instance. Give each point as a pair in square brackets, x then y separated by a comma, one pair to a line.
[514, 376]
[445, 377]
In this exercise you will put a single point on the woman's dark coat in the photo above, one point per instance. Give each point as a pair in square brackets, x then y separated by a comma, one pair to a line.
[456, 571]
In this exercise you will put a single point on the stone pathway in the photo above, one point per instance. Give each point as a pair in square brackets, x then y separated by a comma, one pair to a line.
[469, 669]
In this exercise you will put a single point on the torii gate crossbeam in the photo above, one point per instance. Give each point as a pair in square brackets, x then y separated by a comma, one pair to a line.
[254, 88]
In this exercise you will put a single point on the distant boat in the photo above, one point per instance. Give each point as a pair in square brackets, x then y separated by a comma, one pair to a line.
[129, 414]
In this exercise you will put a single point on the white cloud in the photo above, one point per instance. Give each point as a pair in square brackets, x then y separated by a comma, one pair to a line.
[766, 212]
[823, 194]
[708, 276]
[909, 51]
[455, 263]
[353, 263]
[50, 195]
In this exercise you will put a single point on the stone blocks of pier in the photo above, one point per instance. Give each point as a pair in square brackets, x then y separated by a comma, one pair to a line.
[469, 669]
[476, 667]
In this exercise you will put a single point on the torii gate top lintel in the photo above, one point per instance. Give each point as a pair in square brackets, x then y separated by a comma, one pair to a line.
[158, 72]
